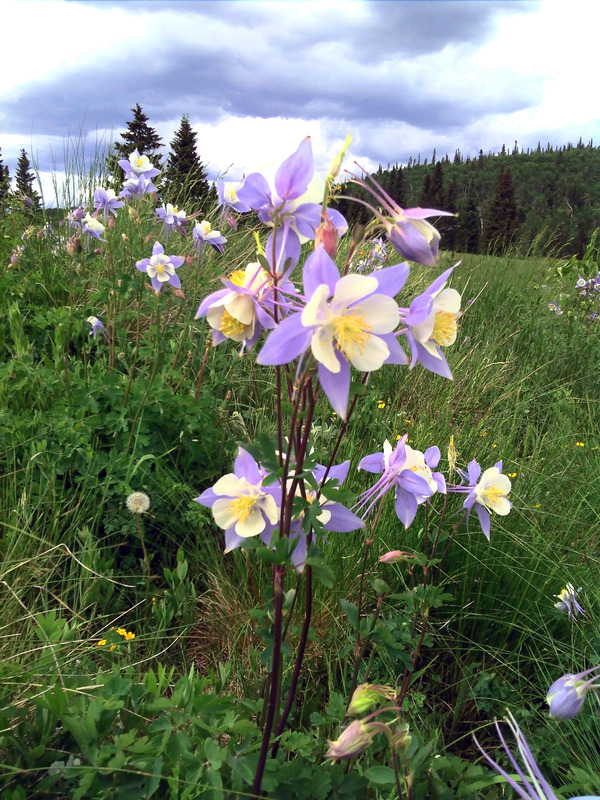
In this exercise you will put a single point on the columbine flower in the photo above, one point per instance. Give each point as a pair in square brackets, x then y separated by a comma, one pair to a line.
[581, 282]
[97, 326]
[487, 492]
[567, 695]
[138, 502]
[228, 196]
[241, 505]
[107, 200]
[567, 601]
[407, 471]
[203, 233]
[333, 516]
[431, 322]
[138, 166]
[76, 216]
[409, 233]
[532, 784]
[345, 321]
[161, 268]
[293, 208]
[93, 227]
[136, 186]
[172, 217]
[240, 311]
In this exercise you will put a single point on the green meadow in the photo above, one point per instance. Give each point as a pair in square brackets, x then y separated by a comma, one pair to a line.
[135, 655]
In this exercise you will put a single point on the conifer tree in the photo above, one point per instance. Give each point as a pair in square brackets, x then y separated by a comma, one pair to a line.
[185, 174]
[469, 224]
[4, 182]
[24, 180]
[141, 136]
[501, 222]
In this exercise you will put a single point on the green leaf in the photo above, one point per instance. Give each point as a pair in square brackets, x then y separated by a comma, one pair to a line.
[381, 775]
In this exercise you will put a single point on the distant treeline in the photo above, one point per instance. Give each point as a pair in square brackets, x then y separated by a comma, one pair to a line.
[542, 200]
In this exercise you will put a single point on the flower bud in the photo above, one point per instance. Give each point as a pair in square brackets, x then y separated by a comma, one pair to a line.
[148, 238]
[327, 237]
[356, 738]
[97, 251]
[396, 555]
[401, 738]
[124, 237]
[336, 164]
[111, 223]
[74, 246]
[567, 695]
[366, 696]
[133, 214]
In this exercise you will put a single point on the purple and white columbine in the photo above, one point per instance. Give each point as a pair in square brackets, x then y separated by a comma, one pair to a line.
[407, 471]
[348, 320]
[203, 233]
[487, 492]
[293, 209]
[138, 166]
[333, 517]
[107, 201]
[241, 505]
[173, 218]
[97, 326]
[567, 601]
[161, 268]
[431, 321]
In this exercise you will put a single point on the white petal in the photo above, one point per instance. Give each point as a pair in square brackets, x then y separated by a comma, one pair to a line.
[241, 308]
[231, 486]
[447, 300]
[374, 353]
[223, 514]
[252, 525]
[315, 312]
[322, 348]
[270, 508]
[351, 288]
[381, 313]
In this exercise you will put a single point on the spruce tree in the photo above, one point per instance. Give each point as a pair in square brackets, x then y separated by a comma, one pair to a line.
[185, 175]
[24, 180]
[4, 183]
[469, 224]
[141, 137]
[501, 223]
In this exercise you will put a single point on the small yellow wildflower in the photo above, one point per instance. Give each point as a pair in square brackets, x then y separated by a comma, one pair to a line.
[121, 631]
[537, 505]
[580, 444]
[512, 474]
[129, 636]
[380, 404]
[484, 433]
[112, 647]
[494, 445]
[101, 643]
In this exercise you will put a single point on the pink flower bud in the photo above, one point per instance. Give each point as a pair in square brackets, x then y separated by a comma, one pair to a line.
[327, 237]
[14, 258]
[111, 223]
[356, 738]
[74, 246]
[148, 238]
[124, 237]
[396, 555]
[97, 251]
[189, 260]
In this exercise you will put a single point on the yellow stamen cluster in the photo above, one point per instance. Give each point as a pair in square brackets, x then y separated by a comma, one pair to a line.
[230, 326]
[444, 328]
[238, 277]
[242, 507]
[492, 495]
[351, 332]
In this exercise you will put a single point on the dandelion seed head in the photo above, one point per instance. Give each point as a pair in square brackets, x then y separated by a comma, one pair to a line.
[138, 502]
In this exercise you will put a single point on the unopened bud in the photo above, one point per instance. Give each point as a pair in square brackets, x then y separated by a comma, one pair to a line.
[396, 555]
[368, 695]
[327, 237]
[133, 213]
[14, 258]
[148, 238]
[336, 164]
[111, 223]
[189, 260]
[97, 251]
[74, 246]
[124, 237]
[356, 738]
[401, 738]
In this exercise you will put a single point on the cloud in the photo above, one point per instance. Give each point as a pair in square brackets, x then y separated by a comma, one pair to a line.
[403, 77]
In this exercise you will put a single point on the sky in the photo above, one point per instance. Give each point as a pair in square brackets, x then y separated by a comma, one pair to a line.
[257, 76]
